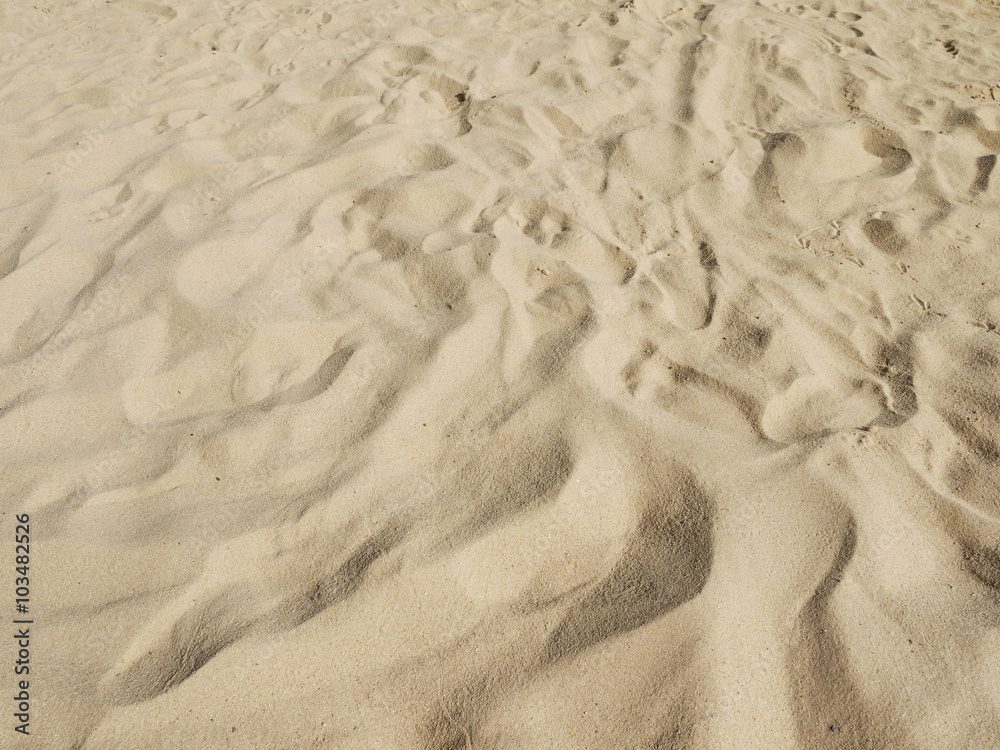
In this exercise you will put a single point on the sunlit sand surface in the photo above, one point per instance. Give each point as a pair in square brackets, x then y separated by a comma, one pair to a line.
[414, 375]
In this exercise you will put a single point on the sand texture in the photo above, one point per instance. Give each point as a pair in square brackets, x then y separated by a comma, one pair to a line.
[565, 375]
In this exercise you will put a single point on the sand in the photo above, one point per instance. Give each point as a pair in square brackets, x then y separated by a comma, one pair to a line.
[434, 375]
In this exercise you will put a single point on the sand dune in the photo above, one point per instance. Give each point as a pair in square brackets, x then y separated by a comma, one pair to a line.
[449, 375]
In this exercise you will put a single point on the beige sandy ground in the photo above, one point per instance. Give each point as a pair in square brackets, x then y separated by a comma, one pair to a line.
[503, 375]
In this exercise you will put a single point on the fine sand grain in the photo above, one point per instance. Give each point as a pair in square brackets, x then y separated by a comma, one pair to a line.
[422, 375]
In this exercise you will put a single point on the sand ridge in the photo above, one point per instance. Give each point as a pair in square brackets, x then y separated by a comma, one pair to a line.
[423, 374]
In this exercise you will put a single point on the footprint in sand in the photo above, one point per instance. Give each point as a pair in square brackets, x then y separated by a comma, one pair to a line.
[144, 6]
[884, 235]
[813, 174]
[108, 203]
[810, 408]
[687, 280]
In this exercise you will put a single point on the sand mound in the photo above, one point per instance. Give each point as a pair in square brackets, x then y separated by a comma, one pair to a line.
[439, 375]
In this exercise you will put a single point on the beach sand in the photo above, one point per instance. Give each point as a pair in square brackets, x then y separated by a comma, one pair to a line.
[434, 375]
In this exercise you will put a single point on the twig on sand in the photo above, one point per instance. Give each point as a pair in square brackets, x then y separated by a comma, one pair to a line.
[452, 720]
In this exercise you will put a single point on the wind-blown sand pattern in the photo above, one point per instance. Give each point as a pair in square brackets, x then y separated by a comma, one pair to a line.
[505, 375]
